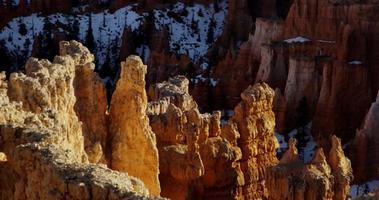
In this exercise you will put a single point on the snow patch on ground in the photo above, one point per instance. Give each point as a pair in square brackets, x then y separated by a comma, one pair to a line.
[200, 79]
[144, 52]
[283, 145]
[190, 27]
[225, 116]
[365, 188]
[298, 39]
[107, 29]
[204, 66]
[327, 41]
[355, 62]
[305, 143]
[213, 82]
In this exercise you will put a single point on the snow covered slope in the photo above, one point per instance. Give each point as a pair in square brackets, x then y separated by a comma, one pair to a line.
[192, 28]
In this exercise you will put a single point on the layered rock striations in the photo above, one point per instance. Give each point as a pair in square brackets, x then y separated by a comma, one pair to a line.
[273, 68]
[42, 140]
[323, 178]
[301, 92]
[245, 64]
[343, 32]
[343, 101]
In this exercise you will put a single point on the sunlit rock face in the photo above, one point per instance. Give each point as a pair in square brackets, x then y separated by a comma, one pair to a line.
[91, 101]
[255, 122]
[42, 143]
[133, 142]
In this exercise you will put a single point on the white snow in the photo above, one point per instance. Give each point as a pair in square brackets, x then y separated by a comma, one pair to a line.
[107, 29]
[213, 82]
[199, 78]
[327, 41]
[188, 27]
[306, 152]
[365, 188]
[298, 39]
[204, 66]
[355, 62]
[283, 145]
[15, 42]
[144, 52]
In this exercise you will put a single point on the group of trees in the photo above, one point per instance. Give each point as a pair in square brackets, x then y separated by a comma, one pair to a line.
[302, 119]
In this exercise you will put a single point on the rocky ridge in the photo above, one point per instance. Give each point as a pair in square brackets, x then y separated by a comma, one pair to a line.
[42, 138]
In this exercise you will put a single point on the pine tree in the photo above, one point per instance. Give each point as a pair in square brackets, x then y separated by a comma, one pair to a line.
[302, 118]
[26, 48]
[216, 6]
[22, 28]
[4, 57]
[210, 34]
[13, 4]
[75, 29]
[47, 43]
[90, 40]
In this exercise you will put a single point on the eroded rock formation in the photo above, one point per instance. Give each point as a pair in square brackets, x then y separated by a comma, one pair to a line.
[205, 160]
[301, 90]
[42, 140]
[133, 143]
[365, 145]
[91, 101]
[255, 123]
[245, 63]
[193, 155]
[322, 178]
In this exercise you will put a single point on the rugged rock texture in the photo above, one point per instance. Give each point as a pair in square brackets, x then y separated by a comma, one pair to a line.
[341, 169]
[42, 140]
[255, 122]
[193, 155]
[91, 101]
[48, 87]
[133, 142]
[266, 30]
[204, 160]
[322, 178]
[364, 146]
